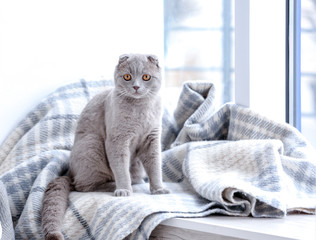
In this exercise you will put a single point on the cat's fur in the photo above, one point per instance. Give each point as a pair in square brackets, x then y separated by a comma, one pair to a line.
[117, 137]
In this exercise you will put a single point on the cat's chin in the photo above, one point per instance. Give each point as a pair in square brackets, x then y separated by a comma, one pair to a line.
[138, 95]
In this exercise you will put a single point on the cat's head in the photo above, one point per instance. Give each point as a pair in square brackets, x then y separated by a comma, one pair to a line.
[137, 76]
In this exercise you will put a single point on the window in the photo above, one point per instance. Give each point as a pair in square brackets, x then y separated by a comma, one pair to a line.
[260, 56]
[267, 92]
[301, 87]
[308, 69]
[199, 44]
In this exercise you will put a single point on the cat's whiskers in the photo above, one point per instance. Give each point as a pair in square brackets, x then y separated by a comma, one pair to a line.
[121, 93]
[151, 93]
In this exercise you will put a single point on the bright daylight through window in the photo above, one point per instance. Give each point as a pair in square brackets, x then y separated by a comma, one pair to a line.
[199, 45]
[308, 69]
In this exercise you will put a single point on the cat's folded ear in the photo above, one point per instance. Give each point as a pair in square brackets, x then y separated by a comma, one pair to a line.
[153, 59]
[123, 58]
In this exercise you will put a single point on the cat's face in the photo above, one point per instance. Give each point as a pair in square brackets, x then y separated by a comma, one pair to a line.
[137, 76]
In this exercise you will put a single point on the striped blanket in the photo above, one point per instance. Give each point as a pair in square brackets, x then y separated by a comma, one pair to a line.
[229, 161]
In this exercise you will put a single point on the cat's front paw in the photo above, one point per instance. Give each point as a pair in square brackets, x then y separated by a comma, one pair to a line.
[122, 193]
[160, 191]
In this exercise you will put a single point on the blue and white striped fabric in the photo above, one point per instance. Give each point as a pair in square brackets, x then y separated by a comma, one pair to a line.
[231, 161]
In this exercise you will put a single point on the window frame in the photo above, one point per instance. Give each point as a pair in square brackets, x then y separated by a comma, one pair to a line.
[292, 58]
[293, 63]
[242, 67]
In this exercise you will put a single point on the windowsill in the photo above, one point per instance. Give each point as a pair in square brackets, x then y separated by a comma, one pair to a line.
[298, 226]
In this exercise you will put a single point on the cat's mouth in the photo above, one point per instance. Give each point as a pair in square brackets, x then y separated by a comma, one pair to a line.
[138, 94]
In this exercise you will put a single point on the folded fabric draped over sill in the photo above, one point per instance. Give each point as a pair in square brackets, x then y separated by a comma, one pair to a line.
[229, 161]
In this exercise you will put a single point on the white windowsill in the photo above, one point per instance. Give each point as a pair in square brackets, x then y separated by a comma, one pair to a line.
[291, 227]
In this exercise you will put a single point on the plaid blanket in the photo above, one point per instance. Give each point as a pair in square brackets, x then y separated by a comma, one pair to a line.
[231, 161]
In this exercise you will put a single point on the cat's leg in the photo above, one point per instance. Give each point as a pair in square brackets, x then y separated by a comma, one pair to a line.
[119, 160]
[88, 164]
[150, 155]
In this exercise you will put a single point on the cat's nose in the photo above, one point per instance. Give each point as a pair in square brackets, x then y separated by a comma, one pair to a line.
[136, 87]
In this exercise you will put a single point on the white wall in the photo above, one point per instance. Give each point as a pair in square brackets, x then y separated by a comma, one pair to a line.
[46, 44]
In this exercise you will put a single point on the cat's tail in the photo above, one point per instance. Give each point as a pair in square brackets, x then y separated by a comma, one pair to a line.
[55, 203]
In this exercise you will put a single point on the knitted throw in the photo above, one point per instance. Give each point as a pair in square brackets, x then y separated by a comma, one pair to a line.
[231, 161]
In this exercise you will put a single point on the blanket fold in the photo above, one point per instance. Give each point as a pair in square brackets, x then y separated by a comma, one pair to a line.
[229, 161]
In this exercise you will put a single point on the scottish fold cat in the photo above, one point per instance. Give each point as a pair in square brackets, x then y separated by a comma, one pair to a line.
[117, 139]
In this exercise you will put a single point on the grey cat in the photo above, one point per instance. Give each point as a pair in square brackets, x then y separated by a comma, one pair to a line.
[117, 138]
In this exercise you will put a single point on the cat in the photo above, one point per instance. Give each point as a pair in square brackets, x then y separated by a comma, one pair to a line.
[117, 139]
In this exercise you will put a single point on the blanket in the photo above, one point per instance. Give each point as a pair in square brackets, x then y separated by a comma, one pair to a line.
[229, 161]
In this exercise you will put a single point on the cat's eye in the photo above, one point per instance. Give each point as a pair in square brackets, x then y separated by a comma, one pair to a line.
[146, 77]
[127, 77]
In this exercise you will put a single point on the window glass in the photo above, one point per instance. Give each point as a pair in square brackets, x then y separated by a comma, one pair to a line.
[267, 58]
[308, 69]
[198, 44]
